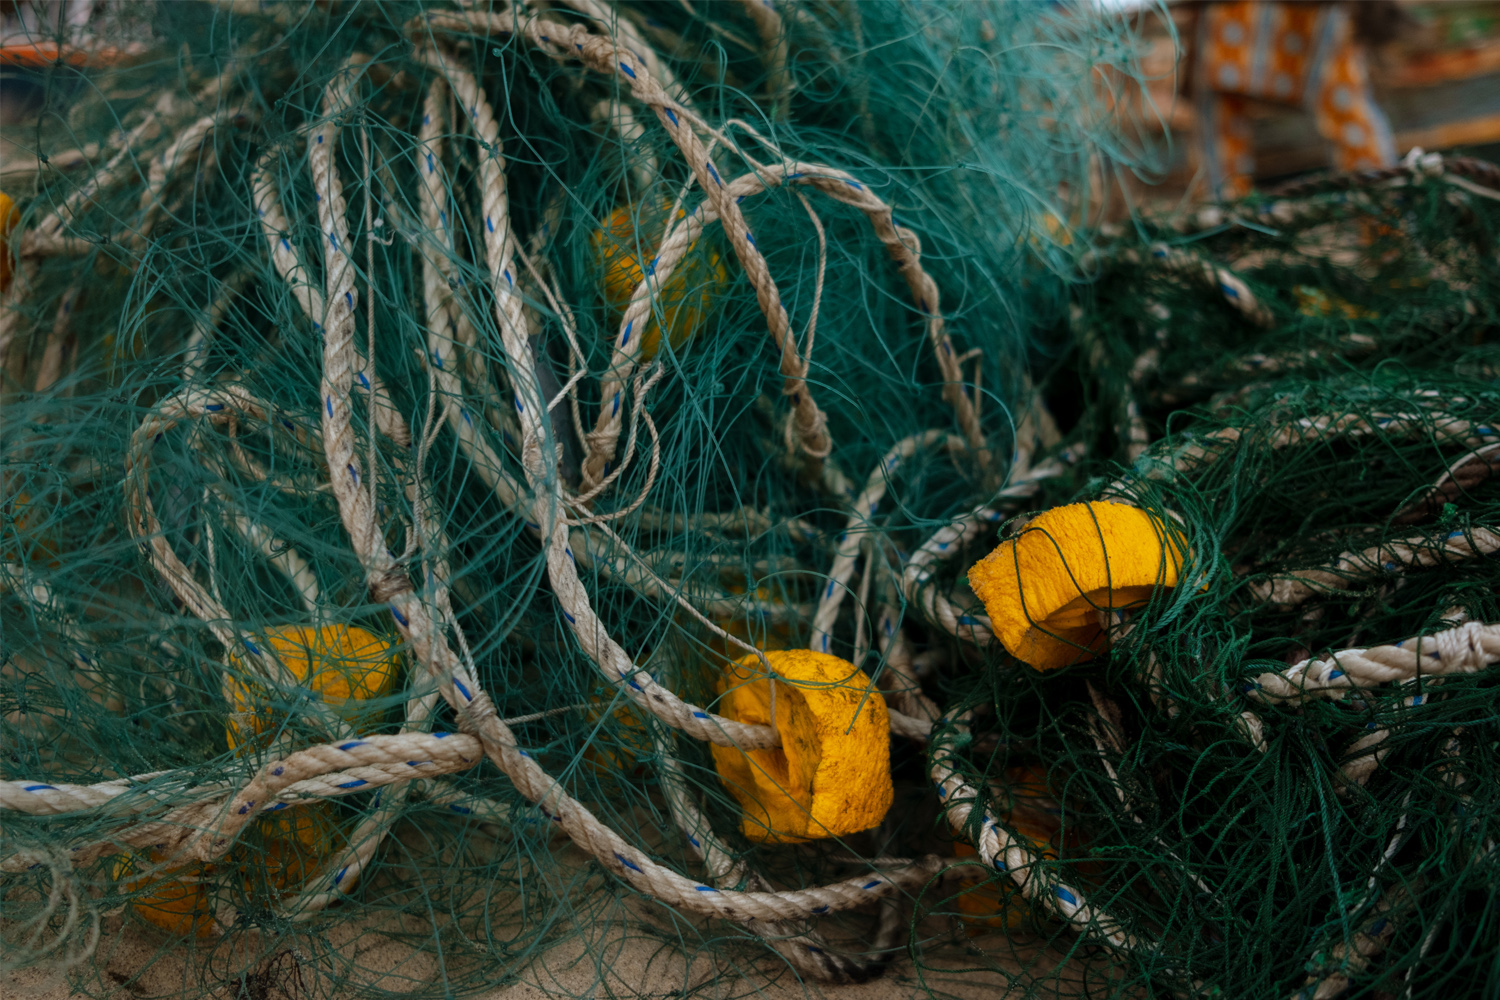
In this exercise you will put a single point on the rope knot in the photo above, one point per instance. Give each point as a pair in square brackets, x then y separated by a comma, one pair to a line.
[602, 443]
[479, 711]
[807, 426]
[1459, 649]
[389, 584]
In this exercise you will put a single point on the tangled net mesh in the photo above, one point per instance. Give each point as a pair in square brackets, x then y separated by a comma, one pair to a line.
[411, 411]
[322, 344]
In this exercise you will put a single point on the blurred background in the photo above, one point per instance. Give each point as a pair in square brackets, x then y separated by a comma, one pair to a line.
[1433, 70]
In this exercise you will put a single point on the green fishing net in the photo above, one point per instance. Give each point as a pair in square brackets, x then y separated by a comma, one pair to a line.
[410, 411]
[1280, 774]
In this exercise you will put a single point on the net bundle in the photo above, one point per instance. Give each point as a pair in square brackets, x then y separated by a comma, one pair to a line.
[412, 410]
[1280, 777]
[414, 414]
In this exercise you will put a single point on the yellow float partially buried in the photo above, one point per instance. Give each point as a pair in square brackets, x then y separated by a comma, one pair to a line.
[1049, 589]
[344, 665]
[684, 301]
[9, 216]
[831, 776]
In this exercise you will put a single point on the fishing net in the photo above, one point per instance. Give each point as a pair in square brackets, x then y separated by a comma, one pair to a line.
[1279, 777]
[427, 430]
[411, 411]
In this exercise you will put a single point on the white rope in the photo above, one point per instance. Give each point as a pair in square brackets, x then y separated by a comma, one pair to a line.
[1467, 649]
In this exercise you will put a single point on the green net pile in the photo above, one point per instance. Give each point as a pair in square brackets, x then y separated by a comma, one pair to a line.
[410, 409]
[1282, 776]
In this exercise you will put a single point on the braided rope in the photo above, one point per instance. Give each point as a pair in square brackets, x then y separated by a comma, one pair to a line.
[280, 554]
[861, 523]
[1187, 264]
[1007, 852]
[388, 577]
[455, 680]
[615, 20]
[806, 952]
[347, 767]
[547, 507]
[1293, 588]
[18, 578]
[177, 156]
[324, 771]
[365, 839]
[917, 578]
[773, 53]
[566, 43]
[218, 405]
[1416, 166]
[43, 235]
[904, 693]
[1466, 649]
[58, 340]
[289, 265]
[586, 545]
[46, 235]
[1200, 450]
[1352, 568]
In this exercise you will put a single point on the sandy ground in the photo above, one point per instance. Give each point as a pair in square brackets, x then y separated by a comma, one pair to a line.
[620, 958]
[625, 968]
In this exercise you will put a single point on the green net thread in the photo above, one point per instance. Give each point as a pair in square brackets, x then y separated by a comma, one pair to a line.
[1305, 388]
[155, 277]
[1305, 385]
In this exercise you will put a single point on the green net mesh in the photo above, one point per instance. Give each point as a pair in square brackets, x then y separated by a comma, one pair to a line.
[376, 373]
[1278, 775]
[411, 411]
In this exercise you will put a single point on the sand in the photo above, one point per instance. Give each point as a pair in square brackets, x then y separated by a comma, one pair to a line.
[625, 959]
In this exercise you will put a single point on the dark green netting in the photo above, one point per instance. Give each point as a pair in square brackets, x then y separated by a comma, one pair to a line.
[1302, 385]
[175, 557]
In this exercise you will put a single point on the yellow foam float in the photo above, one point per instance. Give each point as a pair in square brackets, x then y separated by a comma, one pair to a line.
[631, 739]
[1046, 588]
[346, 667]
[290, 846]
[177, 900]
[1313, 301]
[9, 216]
[684, 301]
[831, 776]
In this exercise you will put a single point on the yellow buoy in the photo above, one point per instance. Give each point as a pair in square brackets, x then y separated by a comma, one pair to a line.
[177, 900]
[343, 664]
[9, 216]
[346, 667]
[1313, 301]
[290, 845]
[631, 739]
[1045, 589]
[280, 852]
[684, 301]
[831, 775]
